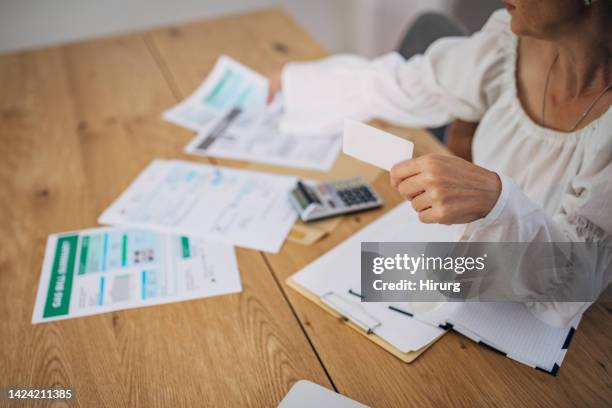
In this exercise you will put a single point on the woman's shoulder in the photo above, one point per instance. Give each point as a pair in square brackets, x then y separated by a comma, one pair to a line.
[497, 57]
[497, 39]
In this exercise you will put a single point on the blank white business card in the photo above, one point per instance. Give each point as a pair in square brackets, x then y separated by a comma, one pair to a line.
[374, 146]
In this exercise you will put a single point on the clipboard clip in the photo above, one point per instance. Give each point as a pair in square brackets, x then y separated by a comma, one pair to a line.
[351, 311]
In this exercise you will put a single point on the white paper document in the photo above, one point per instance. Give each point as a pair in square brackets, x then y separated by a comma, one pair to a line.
[336, 278]
[101, 270]
[233, 121]
[239, 207]
[260, 140]
[230, 85]
[305, 394]
[374, 146]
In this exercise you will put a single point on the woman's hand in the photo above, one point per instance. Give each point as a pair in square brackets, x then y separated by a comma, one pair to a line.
[275, 82]
[446, 189]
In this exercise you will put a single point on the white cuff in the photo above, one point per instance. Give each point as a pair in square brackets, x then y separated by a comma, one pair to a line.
[495, 212]
[500, 204]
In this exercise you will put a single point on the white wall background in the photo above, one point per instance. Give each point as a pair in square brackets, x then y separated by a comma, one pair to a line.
[369, 27]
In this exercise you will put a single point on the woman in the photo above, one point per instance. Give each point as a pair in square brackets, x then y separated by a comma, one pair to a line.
[537, 78]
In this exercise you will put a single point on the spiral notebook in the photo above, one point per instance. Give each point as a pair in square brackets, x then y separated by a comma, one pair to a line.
[507, 328]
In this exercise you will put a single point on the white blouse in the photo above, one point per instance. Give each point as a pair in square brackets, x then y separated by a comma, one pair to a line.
[556, 186]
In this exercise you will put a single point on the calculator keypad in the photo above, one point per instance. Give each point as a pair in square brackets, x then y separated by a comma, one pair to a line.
[355, 196]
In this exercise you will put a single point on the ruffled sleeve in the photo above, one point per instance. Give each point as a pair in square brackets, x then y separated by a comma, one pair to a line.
[457, 77]
[583, 216]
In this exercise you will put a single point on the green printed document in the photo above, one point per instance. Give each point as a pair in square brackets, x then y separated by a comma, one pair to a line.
[106, 269]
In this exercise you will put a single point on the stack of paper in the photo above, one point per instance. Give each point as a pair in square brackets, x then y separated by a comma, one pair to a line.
[230, 114]
[182, 218]
[95, 271]
[229, 85]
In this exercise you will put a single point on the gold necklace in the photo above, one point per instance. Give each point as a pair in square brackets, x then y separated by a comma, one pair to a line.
[587, 110]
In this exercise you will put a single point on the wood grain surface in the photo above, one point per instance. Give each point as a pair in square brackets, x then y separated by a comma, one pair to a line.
[79, 122]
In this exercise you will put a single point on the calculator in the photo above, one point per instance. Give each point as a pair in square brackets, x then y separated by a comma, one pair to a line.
[313, 202]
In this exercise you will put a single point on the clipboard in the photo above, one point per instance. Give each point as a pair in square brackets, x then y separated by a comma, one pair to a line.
[359, 323]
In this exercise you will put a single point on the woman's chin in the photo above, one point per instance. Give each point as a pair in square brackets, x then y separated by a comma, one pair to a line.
[517, 28]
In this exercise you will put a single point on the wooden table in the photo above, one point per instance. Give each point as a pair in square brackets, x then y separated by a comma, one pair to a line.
[77, 123]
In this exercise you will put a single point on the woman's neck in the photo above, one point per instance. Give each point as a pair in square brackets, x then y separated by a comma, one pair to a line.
[583, 57]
